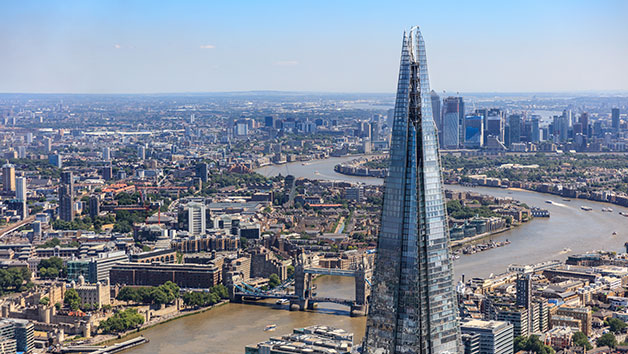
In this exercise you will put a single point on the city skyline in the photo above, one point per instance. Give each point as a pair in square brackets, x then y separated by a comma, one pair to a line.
[133, 47]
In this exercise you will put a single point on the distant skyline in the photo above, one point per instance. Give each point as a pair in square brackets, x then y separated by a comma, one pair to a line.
[347, 46]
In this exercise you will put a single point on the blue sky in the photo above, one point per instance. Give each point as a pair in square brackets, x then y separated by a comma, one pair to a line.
[338, 46]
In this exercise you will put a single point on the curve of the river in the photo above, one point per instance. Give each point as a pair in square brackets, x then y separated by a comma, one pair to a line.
[229, 328]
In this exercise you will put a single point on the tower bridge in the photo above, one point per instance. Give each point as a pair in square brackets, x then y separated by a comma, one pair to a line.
[304, 297]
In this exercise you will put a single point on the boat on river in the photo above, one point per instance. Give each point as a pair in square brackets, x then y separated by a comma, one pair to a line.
[607, 210]
[586, 208]
[270, 327]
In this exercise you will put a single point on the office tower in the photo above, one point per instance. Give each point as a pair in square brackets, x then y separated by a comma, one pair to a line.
[450, 131]
[615, 119]
[412, 307]
[56, 160]
[66, 197]
[496, 337]
[495, 127]
[201, 171]
[28, 138]
[107, 172]
[474, 132]
[453, 107]
[141, 152]
[375, 131]
[192, 118]
[106, 154]
[8, 177]
[94, 206]
[514, 122]
[436, 112]
[20, 195]
[269, 121]
[196, 218]
[584, 122]
[535, 129]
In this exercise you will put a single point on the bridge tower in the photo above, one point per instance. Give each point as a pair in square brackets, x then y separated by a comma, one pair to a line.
[362, 289]
[302, 286]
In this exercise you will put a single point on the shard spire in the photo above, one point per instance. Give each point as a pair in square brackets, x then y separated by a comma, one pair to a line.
[412, 307]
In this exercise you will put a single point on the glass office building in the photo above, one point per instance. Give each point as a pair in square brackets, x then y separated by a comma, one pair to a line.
[412, 306]
[474, 132]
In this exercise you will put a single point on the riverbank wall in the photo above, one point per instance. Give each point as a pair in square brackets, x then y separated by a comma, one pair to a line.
[138, 331]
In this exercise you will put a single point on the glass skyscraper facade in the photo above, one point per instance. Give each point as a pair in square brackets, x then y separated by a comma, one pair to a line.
[412, 306]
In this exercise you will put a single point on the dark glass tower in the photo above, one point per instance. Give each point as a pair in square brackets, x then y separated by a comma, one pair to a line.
[412, 306]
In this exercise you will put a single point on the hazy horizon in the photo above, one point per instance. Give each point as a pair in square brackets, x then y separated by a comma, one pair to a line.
[141, 47]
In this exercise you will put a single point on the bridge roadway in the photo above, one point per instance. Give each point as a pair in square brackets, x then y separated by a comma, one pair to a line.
[330, 271]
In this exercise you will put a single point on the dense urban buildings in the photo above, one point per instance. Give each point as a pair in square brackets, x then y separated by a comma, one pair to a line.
[412, 307]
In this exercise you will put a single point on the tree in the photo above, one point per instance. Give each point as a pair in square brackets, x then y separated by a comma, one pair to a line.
[72, 299]
[608, 340]
[122, 321]
[44, 301]
[290, 271]
[51, 268]
[616, 325]
[532, 344]
[273, 281]
[580, 340]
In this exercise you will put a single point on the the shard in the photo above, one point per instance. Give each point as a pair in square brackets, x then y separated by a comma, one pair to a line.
[412, 307]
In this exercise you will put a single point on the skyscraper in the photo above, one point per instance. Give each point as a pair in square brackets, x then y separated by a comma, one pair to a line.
[66, 197]
[412, 308]
[615, 119]
[8, 177]
[474, 132]
[453, 108]
[514, 122]
[20, 196]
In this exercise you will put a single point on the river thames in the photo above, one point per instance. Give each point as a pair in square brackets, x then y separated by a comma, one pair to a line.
[229, 328]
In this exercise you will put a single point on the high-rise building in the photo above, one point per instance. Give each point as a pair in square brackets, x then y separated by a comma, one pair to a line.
[196, 218]
[615, 119]
[94, 206]
[8, 177]
[201, 171]
[450, 131]
[495, 127]
[141, 152]
[496, 337]
[20, 196]
[106, 153]
[584, 121]
[453, 108]
[66, 197]
[514, 122]
[474, 132]
[107, 172]
[412, 307]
